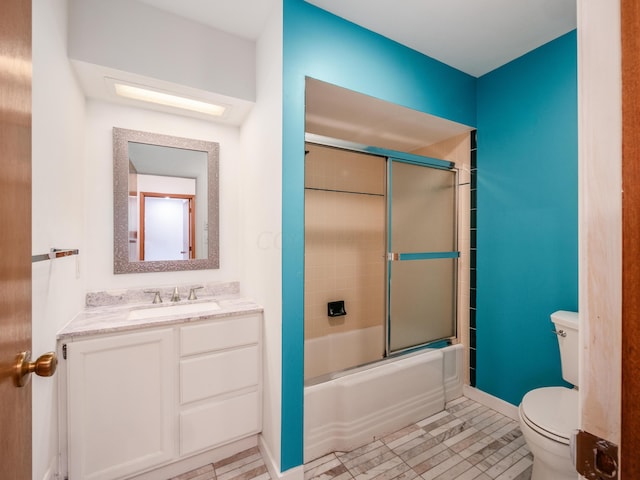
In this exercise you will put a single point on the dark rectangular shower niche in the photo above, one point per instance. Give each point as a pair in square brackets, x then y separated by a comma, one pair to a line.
[336, 309]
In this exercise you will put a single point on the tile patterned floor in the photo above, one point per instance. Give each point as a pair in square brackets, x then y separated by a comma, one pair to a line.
[466, 441]
[246, 465]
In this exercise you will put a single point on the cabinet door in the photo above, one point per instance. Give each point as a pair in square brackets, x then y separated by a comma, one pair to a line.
[121, 409]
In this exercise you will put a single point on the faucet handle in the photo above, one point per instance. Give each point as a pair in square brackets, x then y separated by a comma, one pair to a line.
[192, 292]
[157, 298]
[175, 296]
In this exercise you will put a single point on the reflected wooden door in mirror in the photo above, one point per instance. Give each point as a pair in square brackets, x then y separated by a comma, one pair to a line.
[182, 234]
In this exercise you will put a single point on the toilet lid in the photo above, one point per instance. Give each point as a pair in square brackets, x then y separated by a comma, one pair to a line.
[552, 411]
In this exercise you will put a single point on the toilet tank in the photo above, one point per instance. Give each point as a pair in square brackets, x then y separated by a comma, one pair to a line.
[567, 323]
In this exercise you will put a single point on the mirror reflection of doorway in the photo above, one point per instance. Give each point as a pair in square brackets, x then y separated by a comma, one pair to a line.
[166, 226]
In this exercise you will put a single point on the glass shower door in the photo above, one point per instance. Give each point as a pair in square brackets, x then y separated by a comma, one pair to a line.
[422, 259]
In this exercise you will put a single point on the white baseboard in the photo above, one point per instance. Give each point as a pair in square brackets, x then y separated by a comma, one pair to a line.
[488, 400]
[273, 465]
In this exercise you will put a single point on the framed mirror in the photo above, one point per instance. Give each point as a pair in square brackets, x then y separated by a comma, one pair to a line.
[165, 203]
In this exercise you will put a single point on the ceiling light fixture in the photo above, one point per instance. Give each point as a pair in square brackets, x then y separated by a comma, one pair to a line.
[153, 96]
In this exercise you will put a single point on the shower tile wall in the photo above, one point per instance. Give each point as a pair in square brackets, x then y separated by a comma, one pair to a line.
[456, 149]
[345, 211]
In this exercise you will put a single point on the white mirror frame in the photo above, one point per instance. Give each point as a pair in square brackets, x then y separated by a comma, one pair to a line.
[121, 263]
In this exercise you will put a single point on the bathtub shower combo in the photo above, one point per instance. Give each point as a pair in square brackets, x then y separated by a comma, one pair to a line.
[380, 292]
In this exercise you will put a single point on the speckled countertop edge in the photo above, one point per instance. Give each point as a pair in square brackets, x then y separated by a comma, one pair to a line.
[105, 319]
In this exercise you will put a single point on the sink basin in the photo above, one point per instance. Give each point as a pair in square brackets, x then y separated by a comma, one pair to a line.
[173, 310]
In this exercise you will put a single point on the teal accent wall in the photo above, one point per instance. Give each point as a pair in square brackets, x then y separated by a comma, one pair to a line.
[527, 217]
[323, 46]
[527, 214]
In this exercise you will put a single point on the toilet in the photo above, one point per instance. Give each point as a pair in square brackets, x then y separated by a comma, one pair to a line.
[549, 415]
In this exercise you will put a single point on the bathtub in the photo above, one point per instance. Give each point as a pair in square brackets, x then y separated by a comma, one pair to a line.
[339, 351]
[361, 405]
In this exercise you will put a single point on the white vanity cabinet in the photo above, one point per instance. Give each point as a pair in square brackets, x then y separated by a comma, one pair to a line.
[148, 398]
[219, 382]
[120, 404]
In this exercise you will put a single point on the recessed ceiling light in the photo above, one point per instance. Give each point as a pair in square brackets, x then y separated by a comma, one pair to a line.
[161, 98]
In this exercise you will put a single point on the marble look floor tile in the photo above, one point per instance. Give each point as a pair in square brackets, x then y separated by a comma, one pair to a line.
[328, 468]
[465, 441]
[461, 436]
[372, 461]
[203, 473]
[406, 442]
[402, 436]
[346, 457]
[388, 463]
[504, 463]
[485, 420]
[365, 460]
[413, 458]
[455, 401]
[448, 469]
[415, 446]
[238, 460]
[401, 471]
[443, 455]
[246, 472]
[464, 444]
[472, 473]
[521, 467]
[433, 419]
[320, 461]
[455, 422]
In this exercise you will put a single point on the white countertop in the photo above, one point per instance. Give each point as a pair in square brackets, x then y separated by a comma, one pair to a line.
[115, 318]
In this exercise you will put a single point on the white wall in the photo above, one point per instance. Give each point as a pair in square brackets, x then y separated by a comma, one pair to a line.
[101, 117]
[73, 206]
[133, 37]
[58, 211]
[262, 221]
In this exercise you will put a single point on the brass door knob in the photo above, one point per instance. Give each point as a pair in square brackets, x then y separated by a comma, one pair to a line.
[44, 366]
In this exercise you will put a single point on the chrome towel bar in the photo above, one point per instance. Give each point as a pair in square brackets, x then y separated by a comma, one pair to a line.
[54, 253]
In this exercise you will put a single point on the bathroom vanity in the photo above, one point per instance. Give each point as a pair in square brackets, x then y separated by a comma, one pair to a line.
[169, 387]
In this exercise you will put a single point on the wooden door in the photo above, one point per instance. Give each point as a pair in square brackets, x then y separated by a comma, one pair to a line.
[15, 233]
[630, 432]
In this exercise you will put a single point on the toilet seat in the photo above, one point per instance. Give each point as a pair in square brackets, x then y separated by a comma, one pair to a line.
[552, 412]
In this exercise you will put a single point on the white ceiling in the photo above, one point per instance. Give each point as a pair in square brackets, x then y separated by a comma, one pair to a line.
[475, 36]
[244, 18]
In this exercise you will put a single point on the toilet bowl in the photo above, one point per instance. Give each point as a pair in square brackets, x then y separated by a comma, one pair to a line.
[549, 415]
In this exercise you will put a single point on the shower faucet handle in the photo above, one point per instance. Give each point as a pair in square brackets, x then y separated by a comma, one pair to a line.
[192, 293]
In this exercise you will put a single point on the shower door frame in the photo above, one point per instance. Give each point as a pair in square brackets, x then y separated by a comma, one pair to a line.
[432, 163]
[423, 161]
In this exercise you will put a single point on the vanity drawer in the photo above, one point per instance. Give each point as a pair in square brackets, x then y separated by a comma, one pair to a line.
[209, 375]
[227, 333]
[217, 423]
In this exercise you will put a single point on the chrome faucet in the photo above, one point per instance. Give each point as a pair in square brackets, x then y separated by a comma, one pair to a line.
[157, 298]
[175, 296]
[192, 293]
